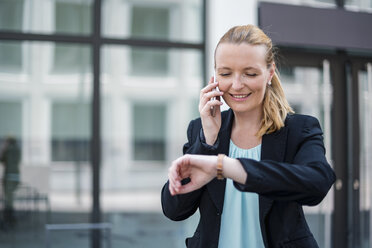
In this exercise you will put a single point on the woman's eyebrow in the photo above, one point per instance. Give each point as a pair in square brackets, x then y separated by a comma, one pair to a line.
[244, 69]
[224, 68]
[250, 68]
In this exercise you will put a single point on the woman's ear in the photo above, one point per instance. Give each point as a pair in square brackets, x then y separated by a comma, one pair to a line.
[271, 71]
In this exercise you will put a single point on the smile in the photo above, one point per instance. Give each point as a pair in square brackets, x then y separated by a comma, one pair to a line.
[240, 96]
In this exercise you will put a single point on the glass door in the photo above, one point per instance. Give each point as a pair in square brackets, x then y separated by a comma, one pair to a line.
[365, 164]
[309, 91]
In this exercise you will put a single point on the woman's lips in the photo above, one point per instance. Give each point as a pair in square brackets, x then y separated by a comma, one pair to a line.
[240, 97]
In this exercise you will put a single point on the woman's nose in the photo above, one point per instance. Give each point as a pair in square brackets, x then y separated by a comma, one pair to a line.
[237, 83]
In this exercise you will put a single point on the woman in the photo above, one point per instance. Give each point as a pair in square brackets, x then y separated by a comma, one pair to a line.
[273, 160]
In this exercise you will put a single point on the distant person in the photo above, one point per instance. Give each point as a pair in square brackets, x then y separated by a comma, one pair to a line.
[10, 157]
[250, 169]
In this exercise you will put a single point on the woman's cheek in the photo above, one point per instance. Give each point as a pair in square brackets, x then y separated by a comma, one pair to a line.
[257, 85]
[223, 86]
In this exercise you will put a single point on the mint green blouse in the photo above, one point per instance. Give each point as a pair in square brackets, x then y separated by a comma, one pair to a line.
[240, 225]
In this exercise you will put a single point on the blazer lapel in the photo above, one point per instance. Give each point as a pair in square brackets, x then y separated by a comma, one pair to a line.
[216, 188]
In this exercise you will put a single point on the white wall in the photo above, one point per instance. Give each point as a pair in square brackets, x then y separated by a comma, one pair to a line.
[221, 16]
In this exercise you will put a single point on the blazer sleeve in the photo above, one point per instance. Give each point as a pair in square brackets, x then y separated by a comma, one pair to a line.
[306, 179]
[181, 207]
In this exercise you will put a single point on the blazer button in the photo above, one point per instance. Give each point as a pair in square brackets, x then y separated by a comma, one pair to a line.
[218, 213]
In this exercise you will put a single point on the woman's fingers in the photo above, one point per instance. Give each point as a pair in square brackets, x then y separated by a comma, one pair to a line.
[205, 96]
[208, 96]
[198, 168]
[209, 86]
[207, 107]
[177, 172]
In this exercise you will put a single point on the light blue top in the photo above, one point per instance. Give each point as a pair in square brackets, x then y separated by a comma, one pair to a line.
[240, 225]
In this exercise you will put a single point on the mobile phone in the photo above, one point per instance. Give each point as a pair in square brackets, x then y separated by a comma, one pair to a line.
[213, 109]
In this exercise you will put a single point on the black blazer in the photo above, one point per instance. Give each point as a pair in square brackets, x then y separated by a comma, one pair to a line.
[293, 171]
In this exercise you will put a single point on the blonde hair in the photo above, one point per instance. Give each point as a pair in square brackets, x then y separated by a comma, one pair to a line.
[275, 104]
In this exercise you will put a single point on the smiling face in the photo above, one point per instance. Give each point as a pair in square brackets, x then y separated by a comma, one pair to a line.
[243, 74]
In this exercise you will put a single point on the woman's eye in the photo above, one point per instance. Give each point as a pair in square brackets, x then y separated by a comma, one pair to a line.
[224, 74]
[251, 74]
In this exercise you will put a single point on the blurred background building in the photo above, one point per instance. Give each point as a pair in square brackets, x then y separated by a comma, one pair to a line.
[98, 95]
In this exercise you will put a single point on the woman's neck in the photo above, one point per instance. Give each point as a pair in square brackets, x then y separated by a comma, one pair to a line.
[250, 122]
[245, 128]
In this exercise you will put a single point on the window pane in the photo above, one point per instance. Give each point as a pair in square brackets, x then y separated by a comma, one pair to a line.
[176, 20]
[11, 15]
[45, 16]
[150, 23]
[11, 119]
[71, 58]
[70, 131]
[149, 62]
[73, 18]
[149, 132]
[10, 56]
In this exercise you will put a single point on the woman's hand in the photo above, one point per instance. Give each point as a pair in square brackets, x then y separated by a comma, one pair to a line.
[201, 169]
[211, 124]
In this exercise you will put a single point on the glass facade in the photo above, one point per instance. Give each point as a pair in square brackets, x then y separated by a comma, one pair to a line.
[46, 96]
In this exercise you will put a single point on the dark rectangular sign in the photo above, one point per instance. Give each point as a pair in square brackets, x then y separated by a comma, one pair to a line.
[300, 26]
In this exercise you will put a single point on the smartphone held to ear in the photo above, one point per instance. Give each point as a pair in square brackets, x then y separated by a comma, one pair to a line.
[213, 108]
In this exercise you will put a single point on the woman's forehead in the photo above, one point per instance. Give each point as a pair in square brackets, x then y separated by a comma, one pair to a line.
[246, 55]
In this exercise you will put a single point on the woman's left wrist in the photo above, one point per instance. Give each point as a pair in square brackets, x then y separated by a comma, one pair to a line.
[220, 164]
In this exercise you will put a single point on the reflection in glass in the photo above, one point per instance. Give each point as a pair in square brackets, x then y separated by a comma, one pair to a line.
[149, 62]
[49, 115]
[176, 20]
[299, 82]
[45, 16]
[11, 15]
[73, 17]
[365, 119]
[149, 132]
[70, 131]
[10, 56]
[150, 22]
[71, 58]
[10, 119]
